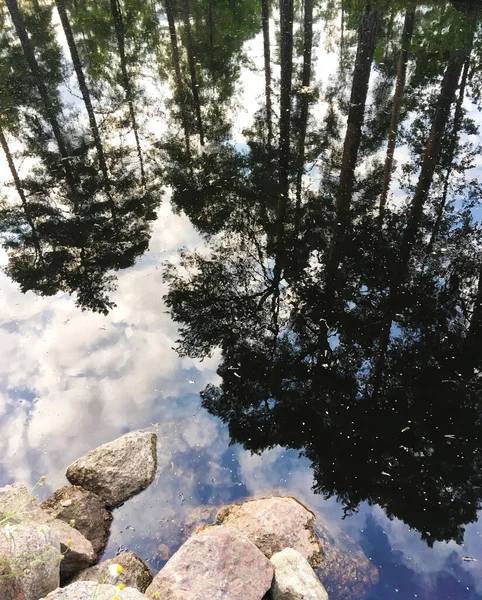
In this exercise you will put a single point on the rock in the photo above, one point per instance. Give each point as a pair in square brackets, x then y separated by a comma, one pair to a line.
[197, 517]
[92, 519]
[346, 572]
[78, 553]
[135, 574]
[273, 524]
[163, 552]
[294, 579]
[215, 564]
[88, 590]
[175, 531]
[118, 470]
[77, 550]
[32, 555]
[16, 502]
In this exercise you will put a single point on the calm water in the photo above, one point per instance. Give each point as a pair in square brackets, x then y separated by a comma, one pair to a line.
[254, 228]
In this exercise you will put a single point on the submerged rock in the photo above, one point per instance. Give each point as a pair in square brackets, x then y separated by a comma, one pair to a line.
[87, 590]
[135, 574]
[85, 510]
[273, 524]
[176, 529]
[118, 470]
[197, 517]
[346, 571]
[294, 579]
[215, 564]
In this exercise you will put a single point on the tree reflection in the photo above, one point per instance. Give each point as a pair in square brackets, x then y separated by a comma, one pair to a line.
[350, 336]
[82, 212]
[349, 320]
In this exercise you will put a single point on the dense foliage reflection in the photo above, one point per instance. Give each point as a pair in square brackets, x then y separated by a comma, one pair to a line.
[342, 277]
[350, 324]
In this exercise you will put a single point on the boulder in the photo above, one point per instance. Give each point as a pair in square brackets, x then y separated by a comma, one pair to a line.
[294, 579]
[118, 470]
[85, 509]
[273, 524]
[29, 561]
[215, 564]
[135, 574]
[16, 502]
[88, 590]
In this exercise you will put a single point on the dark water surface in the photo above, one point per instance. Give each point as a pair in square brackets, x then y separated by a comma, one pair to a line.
[253, 227]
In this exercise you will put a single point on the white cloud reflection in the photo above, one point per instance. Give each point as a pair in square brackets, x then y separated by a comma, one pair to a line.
[70, 381]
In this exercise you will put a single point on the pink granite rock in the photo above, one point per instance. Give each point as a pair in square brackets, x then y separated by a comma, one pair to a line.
[215, 564]
[273, 524]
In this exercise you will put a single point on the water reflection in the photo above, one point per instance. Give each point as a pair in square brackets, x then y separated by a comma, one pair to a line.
[338, 274]
[84, 208]
[349, 326]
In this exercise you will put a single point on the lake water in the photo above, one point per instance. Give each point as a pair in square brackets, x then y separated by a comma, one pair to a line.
[254, 228]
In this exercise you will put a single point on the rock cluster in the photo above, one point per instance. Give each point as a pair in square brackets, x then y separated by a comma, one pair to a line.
[74, 504]
[46, 546]
[346, 572]
[259, 546]
[258, 549]
[34, 541]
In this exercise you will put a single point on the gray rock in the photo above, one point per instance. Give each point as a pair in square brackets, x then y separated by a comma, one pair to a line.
[88, 590]
[135, 574]
[273, 524]
[78, 552]
[91, 518]
[294, 579]
[215, 564]
[29, 561]
[118, 470]
[15, 501]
